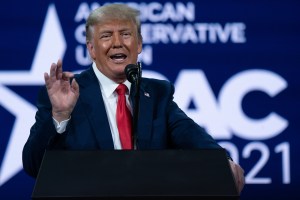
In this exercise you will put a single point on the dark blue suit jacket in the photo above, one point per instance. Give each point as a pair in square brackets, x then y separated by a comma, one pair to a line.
[161, 124]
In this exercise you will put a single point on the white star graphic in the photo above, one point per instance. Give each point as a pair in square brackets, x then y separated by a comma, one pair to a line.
[51, 46]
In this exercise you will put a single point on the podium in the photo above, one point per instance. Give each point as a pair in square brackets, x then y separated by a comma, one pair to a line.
[149, 174]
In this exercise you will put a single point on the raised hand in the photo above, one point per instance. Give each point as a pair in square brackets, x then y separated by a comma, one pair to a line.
[63, 94]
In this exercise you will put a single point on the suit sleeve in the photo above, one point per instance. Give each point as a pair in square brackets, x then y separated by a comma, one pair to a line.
[42, 134]
[186, 133]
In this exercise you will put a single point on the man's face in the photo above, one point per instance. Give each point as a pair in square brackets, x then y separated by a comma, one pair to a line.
[114, 45]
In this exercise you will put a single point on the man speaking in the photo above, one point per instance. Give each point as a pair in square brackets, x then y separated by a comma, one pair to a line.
[93, 110]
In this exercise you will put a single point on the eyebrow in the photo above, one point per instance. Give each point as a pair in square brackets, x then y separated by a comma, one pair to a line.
[120, 30]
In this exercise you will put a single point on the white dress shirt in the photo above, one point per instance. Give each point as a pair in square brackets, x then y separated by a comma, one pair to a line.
[110, 98]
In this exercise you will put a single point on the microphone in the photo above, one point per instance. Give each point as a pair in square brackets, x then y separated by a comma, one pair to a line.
[132, 73]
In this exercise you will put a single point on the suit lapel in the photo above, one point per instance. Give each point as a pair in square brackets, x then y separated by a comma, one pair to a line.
[145, 116]
[92, 101]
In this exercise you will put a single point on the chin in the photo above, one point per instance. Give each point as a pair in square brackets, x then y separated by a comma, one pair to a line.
[120, 70]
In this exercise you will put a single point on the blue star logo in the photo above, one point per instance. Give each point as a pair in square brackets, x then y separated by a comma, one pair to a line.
[51, 46]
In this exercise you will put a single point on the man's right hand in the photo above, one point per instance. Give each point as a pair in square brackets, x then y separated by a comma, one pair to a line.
[63, 94]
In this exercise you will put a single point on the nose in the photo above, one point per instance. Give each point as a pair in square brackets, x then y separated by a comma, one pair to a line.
[117, 41]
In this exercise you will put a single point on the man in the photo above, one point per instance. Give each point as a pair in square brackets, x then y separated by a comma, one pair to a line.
[81, 111]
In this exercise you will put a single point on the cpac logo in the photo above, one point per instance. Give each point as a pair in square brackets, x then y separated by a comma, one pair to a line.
[225, 117]
[47, 51]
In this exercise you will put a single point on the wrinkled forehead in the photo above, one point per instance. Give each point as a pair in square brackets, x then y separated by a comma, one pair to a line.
[115, 25]
[116, 22]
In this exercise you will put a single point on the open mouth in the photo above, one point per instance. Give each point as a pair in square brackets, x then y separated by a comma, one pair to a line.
[118, 57]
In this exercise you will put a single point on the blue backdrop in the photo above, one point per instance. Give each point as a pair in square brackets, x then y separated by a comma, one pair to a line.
[234, 64]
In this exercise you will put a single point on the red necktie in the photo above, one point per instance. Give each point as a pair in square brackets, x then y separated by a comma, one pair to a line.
[123, 118]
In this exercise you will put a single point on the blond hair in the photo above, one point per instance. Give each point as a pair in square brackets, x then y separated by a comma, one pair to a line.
[111, 12]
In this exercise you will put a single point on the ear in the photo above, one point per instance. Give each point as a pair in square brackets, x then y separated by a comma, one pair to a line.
[140, 46]
[90, 47]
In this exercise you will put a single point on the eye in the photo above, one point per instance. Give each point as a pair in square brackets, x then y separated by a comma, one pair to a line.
[126, 34]
[105, 36]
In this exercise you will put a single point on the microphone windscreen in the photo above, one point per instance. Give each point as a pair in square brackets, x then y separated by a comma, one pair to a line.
[131, 72]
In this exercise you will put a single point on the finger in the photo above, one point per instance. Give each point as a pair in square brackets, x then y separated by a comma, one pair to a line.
[67, 75]
[59, 69]
[238, 173]
[75, 87]
[239, 181]
[46, 77]
[240, 177]
[53, 70]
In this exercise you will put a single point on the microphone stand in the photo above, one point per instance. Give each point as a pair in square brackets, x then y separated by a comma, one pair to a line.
[136, 106]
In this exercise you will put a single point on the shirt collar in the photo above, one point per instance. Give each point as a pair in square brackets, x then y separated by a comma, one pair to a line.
[107, 85]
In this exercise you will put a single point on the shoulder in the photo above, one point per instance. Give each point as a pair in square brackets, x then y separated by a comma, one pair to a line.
[157, 84]
[86, 76]
[159, 87]
[85, 73]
